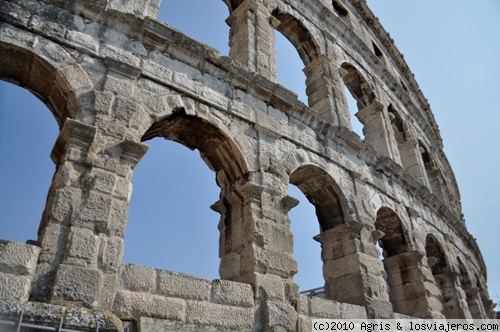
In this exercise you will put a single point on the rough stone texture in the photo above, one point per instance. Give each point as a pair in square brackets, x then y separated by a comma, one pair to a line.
[114, 77]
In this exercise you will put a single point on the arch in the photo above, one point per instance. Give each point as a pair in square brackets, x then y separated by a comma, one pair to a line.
[219, 152]
[394, 241]
[357, 85]
[323, 192]
[445, 280]
[397, 125]
[223, 156]
[29, 173]
[325, 195]
[56, 80]
[436, 258]
[298, 35]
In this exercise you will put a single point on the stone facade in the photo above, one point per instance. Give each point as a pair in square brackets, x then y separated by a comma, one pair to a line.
[114, 77]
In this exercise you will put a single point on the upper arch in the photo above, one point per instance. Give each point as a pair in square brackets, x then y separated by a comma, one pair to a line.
[47, 70]
[216, 147]
[324, 193]
[300, 37]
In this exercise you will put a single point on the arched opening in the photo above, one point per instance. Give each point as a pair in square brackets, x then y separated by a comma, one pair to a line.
[170, 224]
[434, 176]
[289, 67]
[214, 31]
[200, 247]
[314, 85]
[397, 125]
[393, 241]
[27, 135]
[358, 96]
[293, 39]
[445, 280]
[358, 86]
[471, 292]
[319, 189]
[298, 35]
[322, 192]
[306, 251]
[352, 105]
[400, 265]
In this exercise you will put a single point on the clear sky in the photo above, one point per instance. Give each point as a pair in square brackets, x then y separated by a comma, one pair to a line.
[451, 46]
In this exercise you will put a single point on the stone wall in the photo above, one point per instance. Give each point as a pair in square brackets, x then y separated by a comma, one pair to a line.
[17, 266]
[114, 77]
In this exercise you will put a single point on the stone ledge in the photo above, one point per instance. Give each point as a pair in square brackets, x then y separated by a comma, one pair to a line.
[48, 314]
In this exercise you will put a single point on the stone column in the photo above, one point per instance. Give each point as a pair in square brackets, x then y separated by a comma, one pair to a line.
[84, 222]
[376, 129]
[474, 303]
[411, 287]
[320, 90]
[454, 304]
[252, 40]
[352, 269]
[411, 159]
[256, 248]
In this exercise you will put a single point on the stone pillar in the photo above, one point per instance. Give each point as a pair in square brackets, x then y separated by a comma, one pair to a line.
[474, 303]
[320, 90]
[256, 248]
[252, 40]
[81, 234]
[454, 305]
[411, 159]
[488, 304]
[411, 287]
[352, 269]
[376, 129]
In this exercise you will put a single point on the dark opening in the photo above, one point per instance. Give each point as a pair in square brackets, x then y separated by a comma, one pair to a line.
[338, 9]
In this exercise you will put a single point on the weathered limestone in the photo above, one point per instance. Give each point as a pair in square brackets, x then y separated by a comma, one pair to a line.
[115, 77]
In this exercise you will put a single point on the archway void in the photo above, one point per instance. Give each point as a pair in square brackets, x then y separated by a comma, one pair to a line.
[171, 225]
[357, 126]
[306, 251]
[203, 21]
[175, 217]
[290, 67]
[28, 132]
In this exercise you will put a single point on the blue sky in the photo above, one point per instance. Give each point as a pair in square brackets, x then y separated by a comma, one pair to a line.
[450, 45]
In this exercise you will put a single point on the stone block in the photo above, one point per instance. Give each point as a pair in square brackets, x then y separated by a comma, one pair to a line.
[130, 305]
[230, 266]
[103, 181]
[14, 288]
[136, 278]
[110, 253]
[96, 211]
[219, 315]
[182, 285]
[305, 324]
[351, 311]
[323, 308]
[17, 258]
[267, 260]
[64, 203]
[147, 324]
[232, 293]
[303, 308]
[349, 288]
[77, 284]
[267, 286]
[117, 222]
[83, 247]
[280, 315]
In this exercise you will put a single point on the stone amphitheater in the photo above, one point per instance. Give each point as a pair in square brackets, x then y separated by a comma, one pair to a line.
[114, 77]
